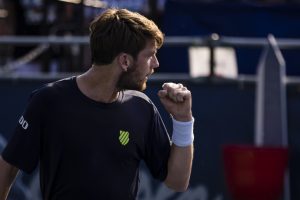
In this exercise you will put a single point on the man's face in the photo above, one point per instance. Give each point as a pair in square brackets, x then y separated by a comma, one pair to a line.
[137, 74]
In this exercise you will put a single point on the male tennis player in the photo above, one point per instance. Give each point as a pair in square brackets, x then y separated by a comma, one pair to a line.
[88, 133]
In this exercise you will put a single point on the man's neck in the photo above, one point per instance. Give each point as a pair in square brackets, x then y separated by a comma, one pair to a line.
[99, 84]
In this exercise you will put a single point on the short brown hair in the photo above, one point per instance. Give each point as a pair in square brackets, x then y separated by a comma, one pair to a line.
[120, 30]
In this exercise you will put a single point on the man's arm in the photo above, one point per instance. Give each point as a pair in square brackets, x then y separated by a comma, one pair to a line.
[177, 100]
[179, 168]
[8, 174]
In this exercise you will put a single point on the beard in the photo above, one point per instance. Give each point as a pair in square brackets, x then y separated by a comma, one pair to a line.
[129, 80]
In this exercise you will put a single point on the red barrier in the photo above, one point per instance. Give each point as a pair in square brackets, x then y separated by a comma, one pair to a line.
[255, 173]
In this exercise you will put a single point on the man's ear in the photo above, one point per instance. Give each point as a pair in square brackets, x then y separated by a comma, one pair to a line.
[124, 61]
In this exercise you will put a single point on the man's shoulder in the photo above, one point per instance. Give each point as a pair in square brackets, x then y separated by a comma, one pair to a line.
[55, 87]
[62, 83]
[137, 94]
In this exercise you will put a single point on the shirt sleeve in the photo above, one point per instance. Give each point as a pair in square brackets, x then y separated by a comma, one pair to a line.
[158, 147]
[23, 148]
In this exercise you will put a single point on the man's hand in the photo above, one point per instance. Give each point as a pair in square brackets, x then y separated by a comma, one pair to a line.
[177, 100]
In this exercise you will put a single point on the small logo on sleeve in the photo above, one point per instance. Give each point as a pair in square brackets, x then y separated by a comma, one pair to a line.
[23, 123]
[124, 137]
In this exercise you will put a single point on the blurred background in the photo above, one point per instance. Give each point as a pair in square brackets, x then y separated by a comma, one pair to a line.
[214, 47]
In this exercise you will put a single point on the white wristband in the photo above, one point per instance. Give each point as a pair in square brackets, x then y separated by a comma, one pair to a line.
[183, 133]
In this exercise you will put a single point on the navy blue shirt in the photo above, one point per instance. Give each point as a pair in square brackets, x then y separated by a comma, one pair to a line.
[87, 149]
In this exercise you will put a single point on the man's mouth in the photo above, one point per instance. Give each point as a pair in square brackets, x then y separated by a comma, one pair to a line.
[148, 75]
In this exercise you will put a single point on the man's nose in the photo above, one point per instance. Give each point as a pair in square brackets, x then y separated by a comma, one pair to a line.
[155, 63]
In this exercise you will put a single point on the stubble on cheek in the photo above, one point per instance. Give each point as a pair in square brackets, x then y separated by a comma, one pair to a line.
[129, 81]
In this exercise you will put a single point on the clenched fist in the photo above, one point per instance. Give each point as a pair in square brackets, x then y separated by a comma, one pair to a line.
[177, 100]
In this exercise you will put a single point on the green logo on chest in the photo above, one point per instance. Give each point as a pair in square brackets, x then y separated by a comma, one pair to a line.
[124, 137]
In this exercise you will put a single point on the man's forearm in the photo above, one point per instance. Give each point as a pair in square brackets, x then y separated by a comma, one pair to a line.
[7, 176]
[179, 167]
[3, 192]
